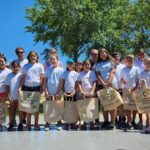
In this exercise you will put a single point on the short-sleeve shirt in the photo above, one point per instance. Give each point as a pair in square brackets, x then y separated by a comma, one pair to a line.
[130, 75]
[33, 73]
[13, 80]
[87, 79]
[3, 75]
[139, 64]
[53, 75]
[146, 76]
[70, 78]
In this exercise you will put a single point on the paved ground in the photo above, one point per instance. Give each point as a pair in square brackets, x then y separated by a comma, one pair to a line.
[74, 140]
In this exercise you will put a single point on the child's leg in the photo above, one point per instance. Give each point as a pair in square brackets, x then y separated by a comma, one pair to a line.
[28, 120]
[36, 115]
[11, 115]
[105, 115]
[148, 120]
[15, 103]
[113, 115]
[129, 117]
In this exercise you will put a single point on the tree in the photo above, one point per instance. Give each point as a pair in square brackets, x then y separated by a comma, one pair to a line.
[76, 26]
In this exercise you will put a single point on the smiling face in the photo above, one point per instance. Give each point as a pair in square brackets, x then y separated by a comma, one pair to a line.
[15, 68]
[129, 61]
[103, 54]
[54, 60]
[86, 66]
[33, 58]
[2, 63]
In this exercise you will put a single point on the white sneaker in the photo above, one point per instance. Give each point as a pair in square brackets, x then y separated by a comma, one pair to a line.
[59, 128]
[47, 129]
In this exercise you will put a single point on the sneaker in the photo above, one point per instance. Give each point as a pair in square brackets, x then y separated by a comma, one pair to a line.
[104, 125]
[24, 121]
[134, 125]
[111, 126]
[59, 128]
[47, 126]
[66, 126]
[74, 126]
[15, 123]
[127, 126]
[20, 127]
[140, 124]
[28, 127]
[147, 130]
[11, 126]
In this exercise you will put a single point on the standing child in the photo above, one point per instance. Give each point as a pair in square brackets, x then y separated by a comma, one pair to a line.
[145, 82]
[87, 82]
[129, 81]
[3, 74]
[105, 72]
[67, 84]
[12, 83]
[32, 80]
[51, 81]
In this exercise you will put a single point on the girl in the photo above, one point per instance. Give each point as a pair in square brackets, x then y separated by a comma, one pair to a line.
[145, 82]
[68, 81]
[51, 81]
[87, 82]
[105, 72]
[129, 81]
[48, 64]
[78, 66]
[32, 80]
[12, 83]
[3, 74]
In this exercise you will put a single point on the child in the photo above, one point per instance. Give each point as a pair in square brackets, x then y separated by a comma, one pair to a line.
[78, 66]
[87, 82]
[51, 81]
[145, 82]
[105, 72]
[12, 83]
[67, 83]
[3, 74]
[129, 81]
[32, 80]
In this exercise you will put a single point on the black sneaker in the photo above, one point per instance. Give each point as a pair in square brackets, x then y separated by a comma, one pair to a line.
[24, 121]
[134, 125]
[15, 123]
[110, 126]
[11, 126]
[104, 125]
[47, 126]
[127, 126]
[20, 127]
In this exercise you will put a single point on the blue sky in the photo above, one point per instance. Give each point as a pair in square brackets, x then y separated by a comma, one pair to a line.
[12, 29]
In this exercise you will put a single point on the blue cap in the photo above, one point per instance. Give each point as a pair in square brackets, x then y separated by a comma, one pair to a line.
[70, 60]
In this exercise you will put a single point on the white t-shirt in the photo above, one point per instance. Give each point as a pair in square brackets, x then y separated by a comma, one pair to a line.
[87, 79]
[130, 75]
[22, 63]
[53, 75]
[3, 75]
[105, 68]
[139, 64]
[70, 78]
[146, 76]
[117, 74]
[13, 80]
[33, 73]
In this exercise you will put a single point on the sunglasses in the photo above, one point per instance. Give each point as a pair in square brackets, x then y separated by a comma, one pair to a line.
[20, 52]
[94, 54]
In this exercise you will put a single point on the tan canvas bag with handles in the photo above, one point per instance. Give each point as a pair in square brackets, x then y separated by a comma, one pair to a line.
[142, 100]
[71, 114]
[109, 98]
[88, 109]
[53, 109]
[29, 101]
[3, 112]
[129, 102]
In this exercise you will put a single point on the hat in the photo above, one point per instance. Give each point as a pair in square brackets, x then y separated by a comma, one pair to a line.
[70, 60]
[116, 53]
[130, 56]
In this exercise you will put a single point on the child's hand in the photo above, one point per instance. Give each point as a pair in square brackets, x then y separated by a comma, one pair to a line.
[143, 83]
[47, 95]
[91, 94]
[82, 93]
[73, 93]
[57, 97]
[123, 81]
[108, 84]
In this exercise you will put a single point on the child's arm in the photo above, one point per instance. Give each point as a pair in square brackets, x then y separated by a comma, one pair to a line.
[111, 76]
[100, 79]
[80, 88]
[61, 85]
[92, 92]
[22, 80]
[8, 93]
[41, 83]
[47, 94]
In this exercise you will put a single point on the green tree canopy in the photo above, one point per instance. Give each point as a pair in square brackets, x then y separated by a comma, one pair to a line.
[76, 26]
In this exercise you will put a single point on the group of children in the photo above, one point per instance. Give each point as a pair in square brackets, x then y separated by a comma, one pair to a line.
[77, 81]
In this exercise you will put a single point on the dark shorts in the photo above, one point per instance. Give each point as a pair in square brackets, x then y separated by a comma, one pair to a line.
[35, 89]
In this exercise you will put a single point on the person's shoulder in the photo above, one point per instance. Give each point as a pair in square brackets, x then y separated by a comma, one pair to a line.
[8, 70]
